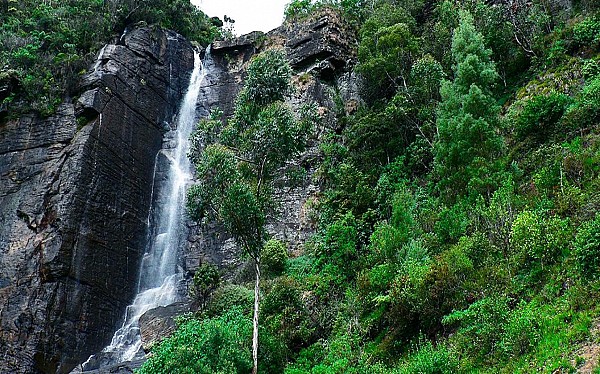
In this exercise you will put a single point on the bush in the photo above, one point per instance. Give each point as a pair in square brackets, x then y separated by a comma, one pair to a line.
[452, 223]
[427, 359]
[268, 79]
[274, 256]
[298, 9]
[585, 111]
[216, 345]
[521, 331]
[337, 253]
[285, 314]
[480, 325]
[587, 33]
[540, 115]
[536, 239]
[206, 279]
[587, 247]
[230, 296]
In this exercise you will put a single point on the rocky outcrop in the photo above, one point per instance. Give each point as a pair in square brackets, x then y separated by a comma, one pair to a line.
[159, 322]
[75, 193]
[322, 43]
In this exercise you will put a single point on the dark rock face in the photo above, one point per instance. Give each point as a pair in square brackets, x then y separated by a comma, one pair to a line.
[159, 322]
[75, 193]
[323, 43]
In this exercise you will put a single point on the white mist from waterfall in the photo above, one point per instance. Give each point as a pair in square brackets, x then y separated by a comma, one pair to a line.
[158, 275]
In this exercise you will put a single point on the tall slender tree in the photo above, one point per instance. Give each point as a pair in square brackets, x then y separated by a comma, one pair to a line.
[238, 162]
[468, 144]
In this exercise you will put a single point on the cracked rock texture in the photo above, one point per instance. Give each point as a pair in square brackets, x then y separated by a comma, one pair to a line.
[75, 193]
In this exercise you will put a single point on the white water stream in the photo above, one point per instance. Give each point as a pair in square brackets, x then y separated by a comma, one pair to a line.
[159, 275]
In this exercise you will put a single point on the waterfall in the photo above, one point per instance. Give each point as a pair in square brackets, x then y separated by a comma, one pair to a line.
[159, 276]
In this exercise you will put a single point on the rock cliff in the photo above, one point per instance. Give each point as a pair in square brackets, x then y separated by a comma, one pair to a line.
[75, 193]
[76, 188]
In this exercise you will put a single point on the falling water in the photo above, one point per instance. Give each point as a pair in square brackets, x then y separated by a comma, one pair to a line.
[158, 275]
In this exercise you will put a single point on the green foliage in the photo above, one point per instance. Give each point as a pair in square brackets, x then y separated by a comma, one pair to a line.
[244, 160]
[480, 325]
[286, 316]
[452, 223]
[274, 256]
[352, 10]
[430, 359]
[387, 50]
[587, 247]
[50, 43]
[468, 144]
[587, 33]
[239, 167]
[220, 344]
[540, 116]
[431, 255]
[585, 111]
[338, 250]
[298, 9]
[537, 239]
[229, 296]
[268, 79]
[206, 280]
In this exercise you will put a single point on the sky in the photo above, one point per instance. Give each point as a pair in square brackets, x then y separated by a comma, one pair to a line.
[249, 15]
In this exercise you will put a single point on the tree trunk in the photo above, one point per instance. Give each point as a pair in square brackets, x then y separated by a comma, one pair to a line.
[255, 319]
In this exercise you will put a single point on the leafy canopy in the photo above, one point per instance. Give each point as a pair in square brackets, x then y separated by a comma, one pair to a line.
[242, 159]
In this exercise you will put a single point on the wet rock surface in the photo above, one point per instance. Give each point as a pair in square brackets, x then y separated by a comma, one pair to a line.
[75, 192]
[159, 323]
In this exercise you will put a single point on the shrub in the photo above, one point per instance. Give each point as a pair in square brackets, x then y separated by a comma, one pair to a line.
[274, 256]
[298, 9]
[229, 296]
[452, 223]
[220, 344]
[585, 111]
[480, 325]
[206, 280]
[285, 314]
[337, 253]
[587, 247]
[537, 239]
[587, 33]
[268, 79]
[540, 115]
[427, 359]
[521, 330]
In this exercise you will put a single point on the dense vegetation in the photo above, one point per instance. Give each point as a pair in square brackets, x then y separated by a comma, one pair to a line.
[46, 45]
[238, 164]
[458, 226]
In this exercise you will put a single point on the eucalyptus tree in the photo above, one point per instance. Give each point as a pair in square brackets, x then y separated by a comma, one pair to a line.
[240, 159]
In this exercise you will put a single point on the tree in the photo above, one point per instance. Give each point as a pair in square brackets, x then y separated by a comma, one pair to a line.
[206, 280]
[386, 51]
[468, 144]
[243, 158]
